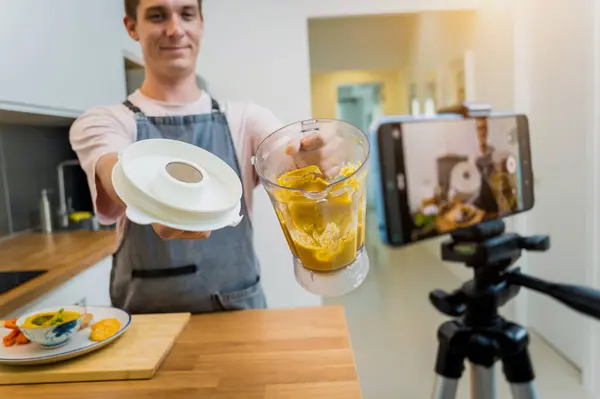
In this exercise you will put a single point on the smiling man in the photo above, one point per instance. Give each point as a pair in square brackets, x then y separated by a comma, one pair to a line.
[157, 269]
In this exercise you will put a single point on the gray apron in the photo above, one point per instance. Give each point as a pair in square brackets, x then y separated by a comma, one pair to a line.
[150, 275]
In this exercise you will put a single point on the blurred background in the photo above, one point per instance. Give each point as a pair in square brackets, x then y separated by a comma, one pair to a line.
[357, 61]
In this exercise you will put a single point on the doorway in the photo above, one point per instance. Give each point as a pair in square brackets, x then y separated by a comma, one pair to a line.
[359, 104]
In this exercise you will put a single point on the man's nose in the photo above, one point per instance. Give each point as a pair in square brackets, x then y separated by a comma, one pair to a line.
[174, 27]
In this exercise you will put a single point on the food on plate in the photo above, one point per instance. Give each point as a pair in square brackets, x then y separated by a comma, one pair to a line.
[104, 329]
[10, 324]
[49, 319]
[85, 322]
[15, 336]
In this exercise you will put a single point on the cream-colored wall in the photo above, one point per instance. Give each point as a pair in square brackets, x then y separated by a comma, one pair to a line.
[360, 43]
[437, 41]
[324, 90]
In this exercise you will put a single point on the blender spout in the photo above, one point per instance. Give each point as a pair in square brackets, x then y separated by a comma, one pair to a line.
[316, 195]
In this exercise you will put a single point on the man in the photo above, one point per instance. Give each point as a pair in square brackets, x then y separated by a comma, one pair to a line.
[487, 200]
[158, 269]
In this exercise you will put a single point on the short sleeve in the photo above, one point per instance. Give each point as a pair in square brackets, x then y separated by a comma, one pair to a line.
[100, 131]
[261, 123]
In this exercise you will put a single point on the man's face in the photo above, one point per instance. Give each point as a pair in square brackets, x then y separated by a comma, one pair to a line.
[169, 32]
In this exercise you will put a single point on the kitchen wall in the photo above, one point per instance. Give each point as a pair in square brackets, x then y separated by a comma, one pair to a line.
[29, 156]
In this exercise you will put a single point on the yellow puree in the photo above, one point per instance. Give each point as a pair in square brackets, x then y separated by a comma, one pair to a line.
[46, 317]
[326, 233]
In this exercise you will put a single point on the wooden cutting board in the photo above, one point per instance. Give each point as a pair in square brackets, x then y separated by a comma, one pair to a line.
[136, 355]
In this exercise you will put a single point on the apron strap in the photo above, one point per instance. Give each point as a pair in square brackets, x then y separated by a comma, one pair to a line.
[132, 107]
[136, 110]
[215, 105]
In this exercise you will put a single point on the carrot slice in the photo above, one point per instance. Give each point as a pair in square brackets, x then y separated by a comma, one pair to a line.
[9, 340]
[21, 339]
[12, 324]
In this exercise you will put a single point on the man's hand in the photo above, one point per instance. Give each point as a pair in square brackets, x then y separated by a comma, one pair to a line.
[167, 233]
[321, 148]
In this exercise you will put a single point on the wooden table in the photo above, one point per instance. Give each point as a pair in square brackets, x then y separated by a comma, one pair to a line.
[264, 354]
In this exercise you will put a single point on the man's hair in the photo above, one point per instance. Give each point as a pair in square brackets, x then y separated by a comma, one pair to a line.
[132, 5]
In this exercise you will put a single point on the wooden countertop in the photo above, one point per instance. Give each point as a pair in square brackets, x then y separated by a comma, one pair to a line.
[62, 254]
[258, 354]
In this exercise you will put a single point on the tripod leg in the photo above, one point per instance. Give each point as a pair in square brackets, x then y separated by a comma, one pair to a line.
[483, 382]
[449, 365]
[519, 373]
[445, 388]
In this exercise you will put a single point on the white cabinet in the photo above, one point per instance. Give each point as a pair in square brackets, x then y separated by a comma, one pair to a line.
[61, 56]
[90, 287]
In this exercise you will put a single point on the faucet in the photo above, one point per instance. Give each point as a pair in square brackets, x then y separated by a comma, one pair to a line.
[63, 211]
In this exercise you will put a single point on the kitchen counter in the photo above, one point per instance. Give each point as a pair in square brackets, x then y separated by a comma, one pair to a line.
[62, 254]
[258, 354]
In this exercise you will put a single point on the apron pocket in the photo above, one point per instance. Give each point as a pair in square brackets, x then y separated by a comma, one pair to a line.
[161, 273]
[168, 290]
[252, 297]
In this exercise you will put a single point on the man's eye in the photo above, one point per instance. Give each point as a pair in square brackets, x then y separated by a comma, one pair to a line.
[188, 15]
[155, 17]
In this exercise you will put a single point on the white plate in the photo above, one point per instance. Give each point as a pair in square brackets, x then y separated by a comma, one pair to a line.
[79, 344]
[144, 164]
[143, 210]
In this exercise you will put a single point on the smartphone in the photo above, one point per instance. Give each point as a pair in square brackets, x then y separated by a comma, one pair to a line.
[435, 175]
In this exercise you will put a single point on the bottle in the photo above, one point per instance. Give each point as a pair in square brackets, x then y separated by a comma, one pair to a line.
[45, 212]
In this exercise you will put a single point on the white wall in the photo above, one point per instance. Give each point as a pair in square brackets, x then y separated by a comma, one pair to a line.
[439, 39]
[562, 115]
[61, 56]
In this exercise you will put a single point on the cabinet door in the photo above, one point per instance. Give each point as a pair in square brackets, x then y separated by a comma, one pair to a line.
[61, 55]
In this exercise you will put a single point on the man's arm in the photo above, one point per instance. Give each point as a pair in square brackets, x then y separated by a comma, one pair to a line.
[104, 168]
[96, 137]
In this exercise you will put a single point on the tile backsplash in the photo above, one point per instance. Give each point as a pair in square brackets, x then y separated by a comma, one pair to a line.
[29, 157]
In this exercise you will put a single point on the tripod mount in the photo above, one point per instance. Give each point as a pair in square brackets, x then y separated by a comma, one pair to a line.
[478, 333]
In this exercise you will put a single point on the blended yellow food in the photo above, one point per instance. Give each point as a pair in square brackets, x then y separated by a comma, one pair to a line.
[323, 222]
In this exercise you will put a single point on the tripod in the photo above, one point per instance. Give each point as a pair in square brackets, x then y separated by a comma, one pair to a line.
[478, 333]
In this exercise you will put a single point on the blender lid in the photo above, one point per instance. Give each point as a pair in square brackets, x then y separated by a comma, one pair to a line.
[181, 176]
[145, 210]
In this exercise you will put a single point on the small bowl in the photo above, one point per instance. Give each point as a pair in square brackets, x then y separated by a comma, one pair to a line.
[52, 336]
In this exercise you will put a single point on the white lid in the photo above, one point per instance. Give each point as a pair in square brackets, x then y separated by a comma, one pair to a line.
[181, 176]
[143, 210]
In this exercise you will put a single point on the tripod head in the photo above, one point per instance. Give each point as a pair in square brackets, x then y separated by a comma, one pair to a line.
[491, 252]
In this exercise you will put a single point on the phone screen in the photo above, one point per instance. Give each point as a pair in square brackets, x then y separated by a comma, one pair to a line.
[458, 173]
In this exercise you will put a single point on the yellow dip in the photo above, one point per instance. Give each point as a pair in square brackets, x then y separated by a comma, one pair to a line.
[325, 231]
[48, 319]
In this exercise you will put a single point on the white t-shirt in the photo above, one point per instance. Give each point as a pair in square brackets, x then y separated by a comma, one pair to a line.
[109, 129]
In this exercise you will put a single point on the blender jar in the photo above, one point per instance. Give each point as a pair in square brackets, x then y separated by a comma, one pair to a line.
[319, 195]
